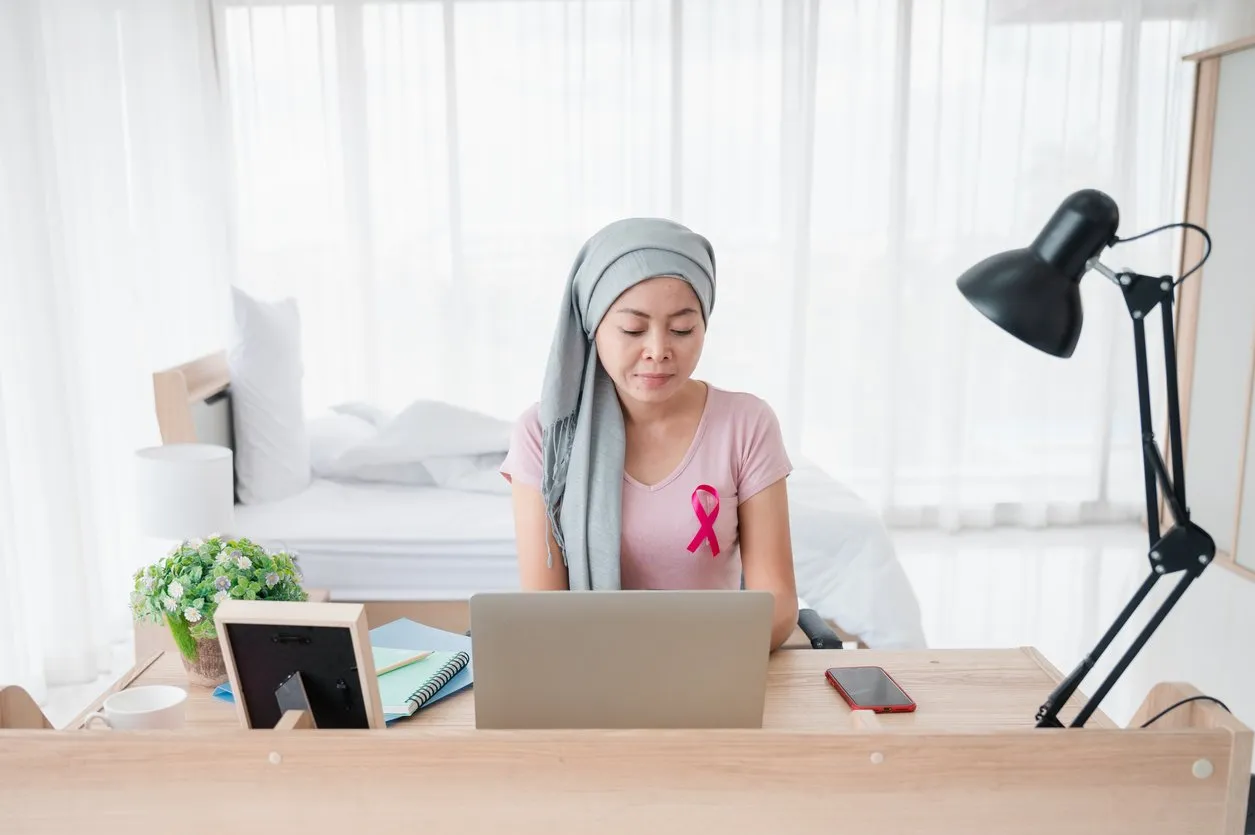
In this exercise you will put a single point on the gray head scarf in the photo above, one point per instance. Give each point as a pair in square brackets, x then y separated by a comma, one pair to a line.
[580, 416]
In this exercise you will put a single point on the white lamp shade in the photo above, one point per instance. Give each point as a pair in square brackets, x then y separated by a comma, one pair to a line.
[185, 491]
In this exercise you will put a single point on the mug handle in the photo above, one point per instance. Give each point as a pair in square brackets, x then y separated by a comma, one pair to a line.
[100, 714]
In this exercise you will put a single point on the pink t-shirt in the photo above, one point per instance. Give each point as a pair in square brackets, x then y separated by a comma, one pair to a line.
[738, 450]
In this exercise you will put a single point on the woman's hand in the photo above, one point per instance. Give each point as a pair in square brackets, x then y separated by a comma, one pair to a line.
[531, 534]
[767, 555]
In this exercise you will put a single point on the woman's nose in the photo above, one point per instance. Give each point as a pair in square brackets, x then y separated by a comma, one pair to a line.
[658, 345]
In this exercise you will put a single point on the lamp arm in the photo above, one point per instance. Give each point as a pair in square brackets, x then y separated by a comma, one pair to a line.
[1186, 547]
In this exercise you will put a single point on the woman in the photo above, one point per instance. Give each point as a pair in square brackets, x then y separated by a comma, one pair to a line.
[638, 475]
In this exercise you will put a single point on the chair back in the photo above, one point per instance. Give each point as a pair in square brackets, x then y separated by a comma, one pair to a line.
[18, 710]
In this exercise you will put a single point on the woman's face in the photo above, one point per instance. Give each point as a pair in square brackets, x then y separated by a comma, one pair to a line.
[651, 338]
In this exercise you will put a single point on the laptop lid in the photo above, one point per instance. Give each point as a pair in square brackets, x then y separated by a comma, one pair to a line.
[620, 659]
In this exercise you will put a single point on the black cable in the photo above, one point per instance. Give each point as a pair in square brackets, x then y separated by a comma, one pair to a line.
[1199, 229]
[1160, 714]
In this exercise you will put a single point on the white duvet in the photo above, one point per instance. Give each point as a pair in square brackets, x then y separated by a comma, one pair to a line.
[428, 444]
[844, 559]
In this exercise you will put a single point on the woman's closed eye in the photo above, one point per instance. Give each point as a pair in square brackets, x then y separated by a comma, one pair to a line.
[641, 332]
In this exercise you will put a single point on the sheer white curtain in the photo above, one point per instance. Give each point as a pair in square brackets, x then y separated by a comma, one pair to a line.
[420, 175]
[113, 242]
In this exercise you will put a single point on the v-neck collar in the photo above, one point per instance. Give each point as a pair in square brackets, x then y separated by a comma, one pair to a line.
[688, 455]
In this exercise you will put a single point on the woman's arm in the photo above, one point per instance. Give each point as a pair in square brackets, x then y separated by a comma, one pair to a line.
[767, 555]
[531, 533]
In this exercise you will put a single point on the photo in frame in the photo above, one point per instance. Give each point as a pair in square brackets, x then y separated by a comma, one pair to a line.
[283, 655]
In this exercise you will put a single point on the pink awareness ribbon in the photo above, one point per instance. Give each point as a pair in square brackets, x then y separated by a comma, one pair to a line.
[705, 520]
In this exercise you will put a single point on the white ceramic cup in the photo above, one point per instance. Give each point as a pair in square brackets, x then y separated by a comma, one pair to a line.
[152, 707]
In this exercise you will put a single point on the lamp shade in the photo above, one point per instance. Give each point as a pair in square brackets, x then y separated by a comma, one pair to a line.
[185, 491]
[1034, 293]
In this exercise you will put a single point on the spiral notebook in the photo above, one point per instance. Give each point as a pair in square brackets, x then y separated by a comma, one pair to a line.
[406, 689]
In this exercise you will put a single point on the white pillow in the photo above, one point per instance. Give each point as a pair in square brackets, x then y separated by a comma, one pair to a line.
[272, 459]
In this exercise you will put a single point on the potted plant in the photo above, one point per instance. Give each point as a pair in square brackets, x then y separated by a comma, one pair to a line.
[183, 590]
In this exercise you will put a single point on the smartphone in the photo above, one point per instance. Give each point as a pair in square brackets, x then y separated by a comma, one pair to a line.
[870, 688]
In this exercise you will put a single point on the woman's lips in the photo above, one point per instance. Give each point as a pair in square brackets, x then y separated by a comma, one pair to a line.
[654, 380]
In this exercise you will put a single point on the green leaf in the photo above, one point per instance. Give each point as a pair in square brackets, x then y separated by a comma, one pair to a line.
[203, 629]
[182, 637]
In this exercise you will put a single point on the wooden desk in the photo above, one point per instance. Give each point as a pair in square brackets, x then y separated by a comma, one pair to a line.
[956, 690]
[968, 761]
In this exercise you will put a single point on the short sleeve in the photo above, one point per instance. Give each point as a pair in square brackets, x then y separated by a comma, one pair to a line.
[523, 461]
[764, 460]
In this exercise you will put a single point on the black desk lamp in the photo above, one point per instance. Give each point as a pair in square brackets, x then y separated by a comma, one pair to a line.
[1034, 294]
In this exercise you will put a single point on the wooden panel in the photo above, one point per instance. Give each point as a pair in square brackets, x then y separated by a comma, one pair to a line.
[1092, 782]
[175, 389]
[1224, 336]
[1204, 714]
[1199, 178]
[19, 710]
[1224, 49]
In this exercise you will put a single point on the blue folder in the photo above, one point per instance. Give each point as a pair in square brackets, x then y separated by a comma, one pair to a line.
[407, 634]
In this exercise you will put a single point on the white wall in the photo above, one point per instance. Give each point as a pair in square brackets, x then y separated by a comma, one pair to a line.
[1227, 20]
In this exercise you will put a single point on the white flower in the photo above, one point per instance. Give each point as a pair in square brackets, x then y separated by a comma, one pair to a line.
[195, 543]
[227, 556]
[146, 583]
[191, 615]
[272, 579]
[243, 561]
[176, 589]
[221, 596]
[168, 603]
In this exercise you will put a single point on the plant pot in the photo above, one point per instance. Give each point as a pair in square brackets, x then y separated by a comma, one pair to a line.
[210, 668]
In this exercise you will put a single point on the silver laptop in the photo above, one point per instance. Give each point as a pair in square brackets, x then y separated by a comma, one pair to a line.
[620, 659]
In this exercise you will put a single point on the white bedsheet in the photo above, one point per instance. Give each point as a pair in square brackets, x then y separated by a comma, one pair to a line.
[391, 542]
[396, 542]
[383, 517]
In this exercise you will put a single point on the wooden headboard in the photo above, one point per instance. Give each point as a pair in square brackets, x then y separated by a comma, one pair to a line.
[193, 402]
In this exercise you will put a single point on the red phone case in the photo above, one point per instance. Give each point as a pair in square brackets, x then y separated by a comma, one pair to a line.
[909, 707]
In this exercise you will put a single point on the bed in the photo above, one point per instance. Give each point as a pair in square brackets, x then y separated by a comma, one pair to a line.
[381, 543]
[358, 541]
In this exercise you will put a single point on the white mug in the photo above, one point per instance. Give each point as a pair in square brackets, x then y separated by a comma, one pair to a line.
[151, 707]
